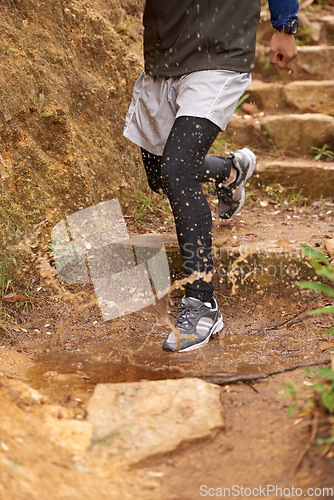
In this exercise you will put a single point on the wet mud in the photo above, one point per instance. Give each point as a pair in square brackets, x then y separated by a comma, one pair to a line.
[266, 328]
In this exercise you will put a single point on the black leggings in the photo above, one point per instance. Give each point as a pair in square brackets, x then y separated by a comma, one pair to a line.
[179, 173]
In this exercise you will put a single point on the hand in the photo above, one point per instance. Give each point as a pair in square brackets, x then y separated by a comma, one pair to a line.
[283, 49]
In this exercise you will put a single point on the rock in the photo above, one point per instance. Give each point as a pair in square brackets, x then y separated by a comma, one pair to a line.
[310, 96]
[21, 393]
[250, 108]
[311, 178]
[295, 133]
[308, 31]
[316, 32]
[137, 420]
[62, 426]
[298, 133]
[245, 130]
[329, 244]
[302, 96]
[265, 95]
[327, 33]
[71, 434]
[313, 62]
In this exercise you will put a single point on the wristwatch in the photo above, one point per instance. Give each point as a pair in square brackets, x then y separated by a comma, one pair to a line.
[290, 27]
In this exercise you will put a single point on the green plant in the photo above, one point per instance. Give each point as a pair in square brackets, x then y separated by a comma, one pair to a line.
[320, 152]
[143, 207]
[320, 405]
[222, 145]
[4, 283]
[325, 387]
[293, 393]
[4, 287]
[266, 64]
[28, 301]
[250, 194]
[323, 268]
[304, 36]
[287, 195]
[2, 321]
[125, 28]
[241, 101]
[322, 398]
[316, 7]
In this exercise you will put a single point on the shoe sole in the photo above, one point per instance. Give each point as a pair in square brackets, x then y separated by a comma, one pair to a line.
[250, 172]
[217, 328]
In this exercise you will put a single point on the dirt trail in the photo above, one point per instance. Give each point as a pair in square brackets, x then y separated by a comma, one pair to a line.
[54, 351]
[258, 446]
[63, 354]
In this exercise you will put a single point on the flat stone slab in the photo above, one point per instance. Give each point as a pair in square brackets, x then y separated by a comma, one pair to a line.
[134, 421]
[312, 178]
[301, 96]
[289, 133]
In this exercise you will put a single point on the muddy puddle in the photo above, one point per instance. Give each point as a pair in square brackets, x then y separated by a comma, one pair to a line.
[266, 329]
[226, 356]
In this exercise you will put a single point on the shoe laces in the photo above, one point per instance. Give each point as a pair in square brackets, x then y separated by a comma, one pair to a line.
[185, 314]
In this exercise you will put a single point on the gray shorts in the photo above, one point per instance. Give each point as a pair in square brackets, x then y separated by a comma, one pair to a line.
[157, 102]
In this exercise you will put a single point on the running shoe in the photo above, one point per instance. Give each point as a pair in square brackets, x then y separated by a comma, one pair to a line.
[196, 322]
[231, 199]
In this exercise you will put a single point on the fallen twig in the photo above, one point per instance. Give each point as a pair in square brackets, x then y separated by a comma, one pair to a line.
[287, 323]
[279, 326]
[259, 376]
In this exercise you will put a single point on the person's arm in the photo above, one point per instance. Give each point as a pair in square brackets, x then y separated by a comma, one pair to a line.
[283, 18]
[283, 11]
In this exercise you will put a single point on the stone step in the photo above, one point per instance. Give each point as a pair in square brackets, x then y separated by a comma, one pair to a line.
[312, 63]
[300, 96]
[311, 178]
[290, 133]
[327, 29]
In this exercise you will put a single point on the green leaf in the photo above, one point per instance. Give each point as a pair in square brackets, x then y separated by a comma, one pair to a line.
[290, 411]
[329, 330]
[328, 400]
[325, 271]
[290, 390]
[314, 285]
[325, 372]
[314, 254]
[242, 100]
[319, 387]
[323, 310]
[329, 440]
[308, 372]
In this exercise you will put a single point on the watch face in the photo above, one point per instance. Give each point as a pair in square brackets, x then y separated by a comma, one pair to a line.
[291, 27]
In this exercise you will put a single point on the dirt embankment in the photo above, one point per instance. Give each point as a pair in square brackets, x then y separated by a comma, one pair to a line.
[66, 76]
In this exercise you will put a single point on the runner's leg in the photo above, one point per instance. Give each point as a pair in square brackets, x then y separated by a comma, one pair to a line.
[214, 168]
[182, 163]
